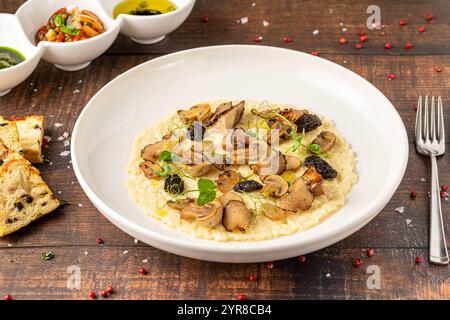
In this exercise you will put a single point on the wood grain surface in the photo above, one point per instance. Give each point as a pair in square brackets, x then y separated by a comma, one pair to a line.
[71, 232]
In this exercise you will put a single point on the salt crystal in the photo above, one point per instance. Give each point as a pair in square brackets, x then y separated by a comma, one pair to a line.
[59, 192]
[80, 81]
[125, 252]
[315, 32]
[400, 209]
[65, 134]
[66, 143]
[408, 221]
[86, 253]
[244, 20]
[60, 138]
[9, 245]
[136, 241]
[48, 138]
[64, 153]
[423, 179]
[76, 91]
[253, 4]
[59, 88]
[58, 124]
[344, 29]
[328, 275]
[35, 90]
[341, 24]
[145, 260]
[80, 205]
[265, 23]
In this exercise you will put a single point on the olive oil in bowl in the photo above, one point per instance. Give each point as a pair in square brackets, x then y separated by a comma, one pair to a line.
[144, 7]
[10, 57]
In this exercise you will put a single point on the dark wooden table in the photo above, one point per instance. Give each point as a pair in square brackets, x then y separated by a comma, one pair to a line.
[71, 232]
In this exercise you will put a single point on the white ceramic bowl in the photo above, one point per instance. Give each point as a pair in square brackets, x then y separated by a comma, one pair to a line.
[70, 56]
[106, 128]
[11, 77]
[150, 29]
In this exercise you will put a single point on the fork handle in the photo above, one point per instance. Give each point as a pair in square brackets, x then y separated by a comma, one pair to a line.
[438, 246]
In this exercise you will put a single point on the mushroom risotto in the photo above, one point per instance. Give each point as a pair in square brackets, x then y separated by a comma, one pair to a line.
[240, 171]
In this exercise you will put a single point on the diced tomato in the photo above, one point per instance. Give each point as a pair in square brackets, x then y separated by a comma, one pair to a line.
[76, 38]
[61, 37]
[59, 11]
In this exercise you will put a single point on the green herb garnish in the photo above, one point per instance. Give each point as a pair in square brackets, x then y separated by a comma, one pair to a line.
[61, 24]
[207, 191]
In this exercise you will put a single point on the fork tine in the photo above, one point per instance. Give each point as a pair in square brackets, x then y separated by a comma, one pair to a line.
[432, 121]
[419, 120]
[426, 121]
[441, 131]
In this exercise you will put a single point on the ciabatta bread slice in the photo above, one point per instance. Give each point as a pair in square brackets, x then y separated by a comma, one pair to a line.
[31, 133]
[10, 135]
[24, 196]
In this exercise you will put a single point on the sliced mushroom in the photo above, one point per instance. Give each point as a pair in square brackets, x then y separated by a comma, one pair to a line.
[274, 212]
[149, 169]
[236, 216]
[152, 151]
[227, 117]
[180, 204]
[293, 163]
[278, 131]
[298, 198]
[275, 186]
[275, 163]
[227, 180]
[325, 140]
[199, 112]
[197, 170]
[292, 114]
[314, 180]
[229, 196]
[208, 215]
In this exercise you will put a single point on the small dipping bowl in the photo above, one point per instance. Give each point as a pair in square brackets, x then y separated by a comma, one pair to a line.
[68, 56]
[12, 36]
[150, 29]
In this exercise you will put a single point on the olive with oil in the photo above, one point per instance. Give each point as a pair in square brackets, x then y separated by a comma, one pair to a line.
[144, 8]
[10, 57]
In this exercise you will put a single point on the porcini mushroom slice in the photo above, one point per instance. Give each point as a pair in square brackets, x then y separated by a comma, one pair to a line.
[314, 180]
[227, 180]
[275, 163]
[236, 216]
[292, 114]
[229, 196]
[152, 151]
[227, 118]
[180, 204]
[325, 140]
[275, 186]
[292, 163]
[274, 212]
[149, 169]
[298, 198]
[208, 215]
[197, 170]
[199, 112]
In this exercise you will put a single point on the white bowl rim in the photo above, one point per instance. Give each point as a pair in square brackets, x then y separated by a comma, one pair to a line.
[257, 246]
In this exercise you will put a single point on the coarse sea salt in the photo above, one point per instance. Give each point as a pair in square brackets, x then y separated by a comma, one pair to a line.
[315, 32]
[408, 221]
[265, 23]
[244, 20]
[57, 125]
[64, 153]
[400, 209]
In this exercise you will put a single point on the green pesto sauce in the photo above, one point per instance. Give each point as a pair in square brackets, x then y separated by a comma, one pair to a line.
[10, 57]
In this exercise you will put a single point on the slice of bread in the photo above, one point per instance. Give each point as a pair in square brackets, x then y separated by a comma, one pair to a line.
[31, 133]
[24, 196]
[10, 135]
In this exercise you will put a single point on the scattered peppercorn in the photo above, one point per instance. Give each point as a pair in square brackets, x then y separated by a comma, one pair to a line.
[408, 45]
[357, 262]
[437, 68]
[29, 199]
[8, 297]
[358, 46]
[205, 19]
[287, 39]
[258, 39]
[342, 40]
[418, 260]
[104, 293]
[413, 194]
[387, 45]
[269, 265]
[429, 17]
[314, 53]
[421, 29]
[109, 289]
[444, 187]
[370, 252]
[242, 297]
[361, 33]
[443, 194]
[99, 241]
[363, 38]
[19, 205]
[403, 22]
[252, 278]
[92, 295]
[142, 271]
[302, 259]
[391, 76]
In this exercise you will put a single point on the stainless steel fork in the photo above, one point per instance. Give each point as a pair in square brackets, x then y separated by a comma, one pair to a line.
[430, 141]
